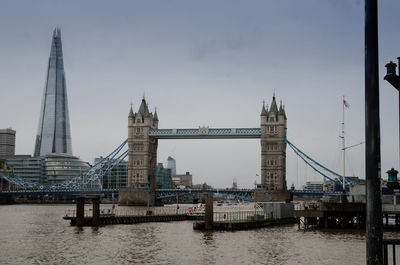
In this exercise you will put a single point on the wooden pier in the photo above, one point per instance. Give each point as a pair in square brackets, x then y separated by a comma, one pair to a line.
[332, 215]
[109, 219]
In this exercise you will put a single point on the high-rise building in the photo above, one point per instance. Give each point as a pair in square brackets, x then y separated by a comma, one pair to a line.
[171, 164]
[7, 142]
[54, 134]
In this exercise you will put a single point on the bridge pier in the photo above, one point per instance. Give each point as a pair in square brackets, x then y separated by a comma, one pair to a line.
[80, 211]
[136, 197]
[265, 195]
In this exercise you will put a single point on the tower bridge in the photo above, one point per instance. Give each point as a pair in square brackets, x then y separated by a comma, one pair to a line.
[143, 136]
[142, 143]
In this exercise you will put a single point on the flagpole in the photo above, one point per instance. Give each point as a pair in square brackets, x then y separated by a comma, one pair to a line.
[344, 150]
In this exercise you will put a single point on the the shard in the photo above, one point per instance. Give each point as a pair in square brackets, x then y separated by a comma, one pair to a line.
[54, 134]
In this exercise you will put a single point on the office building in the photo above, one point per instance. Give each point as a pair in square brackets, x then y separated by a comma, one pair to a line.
[115, 178]
[183, 180]
[314, 186]
[28, 167]
[7, 142]
[163, 177]
[59, 167]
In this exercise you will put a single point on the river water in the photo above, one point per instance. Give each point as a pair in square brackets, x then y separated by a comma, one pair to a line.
[37, 234]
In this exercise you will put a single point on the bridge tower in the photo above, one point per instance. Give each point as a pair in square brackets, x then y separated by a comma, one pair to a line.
[142, 158]
[273, 153]
[273, 146]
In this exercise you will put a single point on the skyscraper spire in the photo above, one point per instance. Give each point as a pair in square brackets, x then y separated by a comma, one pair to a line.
[54, 134]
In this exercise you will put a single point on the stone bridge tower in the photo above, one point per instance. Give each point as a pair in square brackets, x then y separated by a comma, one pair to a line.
[142, 156]
[273, 147]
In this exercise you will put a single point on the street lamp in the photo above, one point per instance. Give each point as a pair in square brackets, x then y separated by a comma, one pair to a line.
[394, 80]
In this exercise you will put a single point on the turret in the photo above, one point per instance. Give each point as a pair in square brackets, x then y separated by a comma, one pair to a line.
[155, 119]
[131, 117]
[264, 114]
[281, 113]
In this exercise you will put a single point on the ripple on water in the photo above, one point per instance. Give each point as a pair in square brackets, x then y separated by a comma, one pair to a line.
[36, 234]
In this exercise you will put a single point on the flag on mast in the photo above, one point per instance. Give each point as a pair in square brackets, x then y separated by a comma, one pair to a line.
[345, 103]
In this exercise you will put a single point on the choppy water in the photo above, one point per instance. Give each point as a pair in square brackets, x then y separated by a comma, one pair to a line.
[37, 234]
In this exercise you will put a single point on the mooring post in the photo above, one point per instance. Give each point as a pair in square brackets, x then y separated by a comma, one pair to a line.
[80, 211]
[209, 212]
[96, 211]
[374, 231]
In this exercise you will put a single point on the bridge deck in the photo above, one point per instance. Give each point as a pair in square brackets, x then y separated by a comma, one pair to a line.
[206, 133]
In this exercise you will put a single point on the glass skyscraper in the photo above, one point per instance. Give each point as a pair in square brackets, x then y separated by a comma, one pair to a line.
[54, 134]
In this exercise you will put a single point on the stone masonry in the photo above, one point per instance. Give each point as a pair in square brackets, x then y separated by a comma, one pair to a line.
[273, 147]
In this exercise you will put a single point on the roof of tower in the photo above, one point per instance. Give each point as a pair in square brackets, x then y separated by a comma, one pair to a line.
[144, 109]
[274, 107]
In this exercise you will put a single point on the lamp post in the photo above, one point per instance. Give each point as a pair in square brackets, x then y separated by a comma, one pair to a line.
[394, 80]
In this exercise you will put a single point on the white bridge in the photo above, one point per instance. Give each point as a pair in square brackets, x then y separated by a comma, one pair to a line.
[206, 133]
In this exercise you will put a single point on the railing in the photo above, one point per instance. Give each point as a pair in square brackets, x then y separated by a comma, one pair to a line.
[161, 211]
[386, 242]
[239, 216]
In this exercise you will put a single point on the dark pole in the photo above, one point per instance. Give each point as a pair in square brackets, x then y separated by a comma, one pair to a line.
[398, 88]
[372, 136]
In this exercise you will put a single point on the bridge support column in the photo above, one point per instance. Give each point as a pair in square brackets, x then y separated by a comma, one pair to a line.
[96, 211]
[80, 211]
[209, 212]
[136, 197]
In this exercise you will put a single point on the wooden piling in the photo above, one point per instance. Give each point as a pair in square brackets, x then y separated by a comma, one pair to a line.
[209, 212]
[96, 211]
[80, 211]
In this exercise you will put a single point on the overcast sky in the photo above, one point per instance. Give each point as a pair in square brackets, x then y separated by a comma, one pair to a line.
[203, 62]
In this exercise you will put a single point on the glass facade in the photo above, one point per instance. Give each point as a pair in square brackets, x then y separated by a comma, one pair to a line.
[163, 177]
[116, 177]
[54, 134]
[59, 167]
[171, 164]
